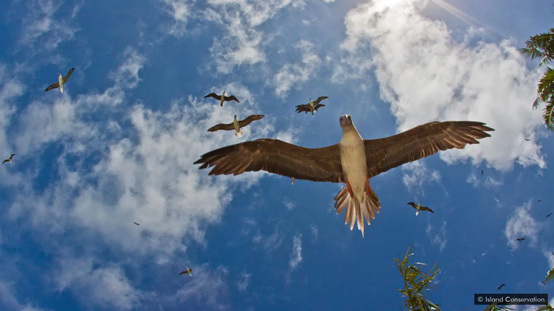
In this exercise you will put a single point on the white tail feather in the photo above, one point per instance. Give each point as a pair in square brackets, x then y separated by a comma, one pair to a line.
[238, 134]
[356, 211]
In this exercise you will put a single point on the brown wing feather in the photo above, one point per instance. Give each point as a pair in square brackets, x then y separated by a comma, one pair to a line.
[53, 86]
[214, 95]
[222, 126]
[303, 108]
[232, 97]
[278, 157]
[320, 99]
[250, 119]
[68, 74]
[422, 141]
[316, 107]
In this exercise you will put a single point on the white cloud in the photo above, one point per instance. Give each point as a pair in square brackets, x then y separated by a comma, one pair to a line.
[243, 282]
[522, 225]
[428, 76]
[296, 255]
[41, 30]
[243, 43]
[438, 238]
[289, 204]
[107, 287]
[293, 75]
[181, 11]
[315, 232]
[416, 174]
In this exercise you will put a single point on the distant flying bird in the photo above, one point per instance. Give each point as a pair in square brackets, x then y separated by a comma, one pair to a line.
[136, 223]
[61, 81]
[548, 215]
[481, 172]
[222, 98]
[539, 201]
[9, 160]
[418, 207]
[527, 139]
[312, 106]
[500, 287]
[521, 239]
[236, 125]
[549, 275]
[352, 161]
[543, 283]
[188, 271]
[292, 182]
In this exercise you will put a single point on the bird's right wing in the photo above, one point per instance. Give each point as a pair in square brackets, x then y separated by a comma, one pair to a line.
[232, 97]
[5, 161]
[278, 157]
[214, 95]
[250, 119]
[53, 86]
[316, 107]
[221, 126]
[420, 142]
[68, 74]
[303, 108]
[320, 99]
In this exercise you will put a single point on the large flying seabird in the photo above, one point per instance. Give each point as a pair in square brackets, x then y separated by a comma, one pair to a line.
[222, 98]
[352, 161]
[312, 106]
[61, 81]
[236, 125]
[418, 207]
[9, 160]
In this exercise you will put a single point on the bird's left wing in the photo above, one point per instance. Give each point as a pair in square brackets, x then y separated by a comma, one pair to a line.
[68, 74]
[421, 141]
[278, 157]
[303, 108]
[250, 119]
[232, 97]
[316, 107]
[53, 86]
[320, 98]
[222, 126]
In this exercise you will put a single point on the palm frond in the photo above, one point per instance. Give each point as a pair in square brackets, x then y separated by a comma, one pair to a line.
[495, 307]
[545, 88]
[548, 115]
[540, 46]
[546, 307]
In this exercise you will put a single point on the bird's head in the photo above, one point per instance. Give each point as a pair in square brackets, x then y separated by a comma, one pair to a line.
[345, 120]
[411, 203]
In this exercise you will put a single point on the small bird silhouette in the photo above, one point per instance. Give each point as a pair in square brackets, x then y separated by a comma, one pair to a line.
[418, 208]
[136, 223]
[543, 283]
[527, 139]
[500, 287]
[482, 172]
[521, 239]
[188, 271]
[539, 201]
[9, 160]
[548, 215]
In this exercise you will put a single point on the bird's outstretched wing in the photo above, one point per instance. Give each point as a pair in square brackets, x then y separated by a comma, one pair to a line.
[278, 157]
[232, 97]
[303, 108]
[421, 141]
[316, 107]
[186, 271]
[11, 157]
[5, 161]
[214, 95]
[222, 126]
[53, 86]
[250, 119]
[425, 208]
[319, 99]
[549, 215]
[68, 74]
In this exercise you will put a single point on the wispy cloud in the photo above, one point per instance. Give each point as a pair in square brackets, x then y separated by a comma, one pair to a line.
[460, 81]
[296, 255]
[522, 225]
[181, 11]
[243, 282]
[293, 75]
[438, 237]
[41, 30]
[416, 174]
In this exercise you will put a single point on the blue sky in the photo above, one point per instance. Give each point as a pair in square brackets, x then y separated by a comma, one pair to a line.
[118, 146]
